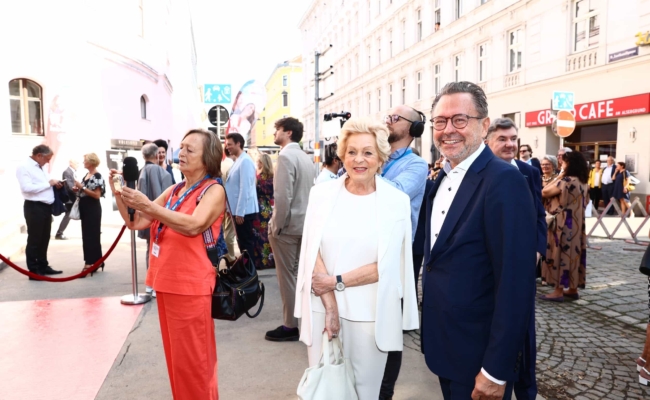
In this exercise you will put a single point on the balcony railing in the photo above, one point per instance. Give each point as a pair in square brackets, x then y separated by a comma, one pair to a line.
[511, 80]
[583, 60]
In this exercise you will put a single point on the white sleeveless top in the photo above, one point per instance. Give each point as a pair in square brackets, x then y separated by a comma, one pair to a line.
[350, 241]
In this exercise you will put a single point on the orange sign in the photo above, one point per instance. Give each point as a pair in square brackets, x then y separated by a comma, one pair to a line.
[564, 124]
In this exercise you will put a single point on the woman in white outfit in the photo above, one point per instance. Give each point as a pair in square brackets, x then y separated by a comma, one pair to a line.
[355, 265]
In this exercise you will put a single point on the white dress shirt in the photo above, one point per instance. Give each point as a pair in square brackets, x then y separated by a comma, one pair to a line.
[443, 201]
[607, 175]
[34, 182]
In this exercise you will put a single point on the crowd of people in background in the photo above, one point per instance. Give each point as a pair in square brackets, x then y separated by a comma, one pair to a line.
[349, 251]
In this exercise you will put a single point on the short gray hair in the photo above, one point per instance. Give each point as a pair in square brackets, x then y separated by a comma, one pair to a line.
[565, 149]
[478, 96]
[41, 149]
[501, 123]
[551, 159]
[149, 151]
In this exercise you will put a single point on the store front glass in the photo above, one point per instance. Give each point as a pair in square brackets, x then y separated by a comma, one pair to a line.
[595, 142]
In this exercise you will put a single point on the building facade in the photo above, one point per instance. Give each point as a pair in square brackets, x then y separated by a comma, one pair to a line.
[390, 52]
[284, 93]
[93, 76]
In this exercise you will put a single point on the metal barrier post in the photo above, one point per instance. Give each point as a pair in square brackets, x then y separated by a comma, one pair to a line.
[135, 298]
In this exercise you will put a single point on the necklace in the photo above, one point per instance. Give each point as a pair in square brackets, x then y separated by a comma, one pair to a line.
[547, 179]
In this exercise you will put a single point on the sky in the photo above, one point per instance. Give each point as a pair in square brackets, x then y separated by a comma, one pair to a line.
[240, 40]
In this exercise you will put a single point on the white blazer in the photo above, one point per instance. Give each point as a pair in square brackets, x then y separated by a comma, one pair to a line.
[395, 261]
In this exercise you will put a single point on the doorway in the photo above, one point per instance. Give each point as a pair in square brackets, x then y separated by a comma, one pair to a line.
[595, 142]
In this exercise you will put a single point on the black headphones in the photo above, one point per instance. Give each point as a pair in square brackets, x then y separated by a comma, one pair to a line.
[417, 127]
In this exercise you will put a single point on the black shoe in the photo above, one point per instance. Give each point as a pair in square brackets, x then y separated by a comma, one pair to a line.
[49, 271]
[60, 237]
[282, 335]
[37, 273]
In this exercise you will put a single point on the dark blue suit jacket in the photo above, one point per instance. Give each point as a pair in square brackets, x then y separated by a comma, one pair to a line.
[418, 241]
[477, 298]
[535, 185]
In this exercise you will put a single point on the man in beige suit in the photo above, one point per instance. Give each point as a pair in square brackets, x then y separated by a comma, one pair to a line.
[292, 182]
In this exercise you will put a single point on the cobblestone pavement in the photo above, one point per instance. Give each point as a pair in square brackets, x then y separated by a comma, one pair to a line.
[587, 348]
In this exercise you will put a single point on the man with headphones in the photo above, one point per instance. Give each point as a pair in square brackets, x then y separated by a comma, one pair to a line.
[408, 172]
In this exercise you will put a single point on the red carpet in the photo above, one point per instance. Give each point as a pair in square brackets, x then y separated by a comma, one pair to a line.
[60, 349]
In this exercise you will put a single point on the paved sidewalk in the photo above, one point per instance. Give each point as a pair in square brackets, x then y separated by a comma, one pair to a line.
[587, 348]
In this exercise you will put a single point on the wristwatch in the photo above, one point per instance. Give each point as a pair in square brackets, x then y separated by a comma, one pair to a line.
[340, 286]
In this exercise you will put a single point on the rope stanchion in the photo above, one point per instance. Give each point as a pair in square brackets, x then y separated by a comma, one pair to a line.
[92, 269]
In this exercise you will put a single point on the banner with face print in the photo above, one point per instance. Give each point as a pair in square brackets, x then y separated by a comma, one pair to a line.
[246, 109]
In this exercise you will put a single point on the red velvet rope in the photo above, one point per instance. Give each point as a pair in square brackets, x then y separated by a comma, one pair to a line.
[93, 268]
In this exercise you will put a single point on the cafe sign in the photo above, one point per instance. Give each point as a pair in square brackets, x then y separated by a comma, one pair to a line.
[605, 109]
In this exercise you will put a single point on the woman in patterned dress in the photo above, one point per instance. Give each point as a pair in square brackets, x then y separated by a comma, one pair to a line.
[566, 249]
[549, 166]
[263, 254]
[90, 189]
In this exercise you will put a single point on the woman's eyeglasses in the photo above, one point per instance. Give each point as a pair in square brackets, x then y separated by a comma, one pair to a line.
[392, 119]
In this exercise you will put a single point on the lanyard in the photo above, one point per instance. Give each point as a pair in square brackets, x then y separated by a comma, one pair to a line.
[392, 162]
[179, 201]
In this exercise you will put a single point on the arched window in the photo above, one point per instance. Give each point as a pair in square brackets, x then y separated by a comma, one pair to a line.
[143, 107]
[26, 107]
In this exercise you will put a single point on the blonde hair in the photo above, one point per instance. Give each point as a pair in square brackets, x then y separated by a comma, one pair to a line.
[92, 159]
[364, 125]
[267, 164]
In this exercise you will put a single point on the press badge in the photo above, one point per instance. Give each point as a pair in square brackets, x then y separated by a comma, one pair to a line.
[155, 249]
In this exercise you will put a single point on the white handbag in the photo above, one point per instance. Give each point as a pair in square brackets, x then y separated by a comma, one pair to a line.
[327, 380]
[74, 212]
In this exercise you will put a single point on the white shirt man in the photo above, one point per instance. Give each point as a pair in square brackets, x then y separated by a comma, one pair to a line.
[36, 188]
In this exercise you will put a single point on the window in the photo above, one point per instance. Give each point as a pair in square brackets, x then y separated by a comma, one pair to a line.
[403, 90]
[285, 99]
[390, 95]
[369, 103]
[26, 107]
[419, 84]
[515, 44]
[378, 100]
[369, 12]
[349, 70]
[418, 33]
[285, 80]
[356, 65]
[403, 34]
[482, 62]
[459, 8]
[378, 7]
[390, 43]
[143, 107]
[378, 51]
[437, 70]
[263, 120]
[369, 57]
[458, 66]
[586, 24]
[436, 15]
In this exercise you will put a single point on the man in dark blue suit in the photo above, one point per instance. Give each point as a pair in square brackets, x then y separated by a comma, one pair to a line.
[502, 138]
[481, 233]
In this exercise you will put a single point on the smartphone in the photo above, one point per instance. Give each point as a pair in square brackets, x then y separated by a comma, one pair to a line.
[118, 182]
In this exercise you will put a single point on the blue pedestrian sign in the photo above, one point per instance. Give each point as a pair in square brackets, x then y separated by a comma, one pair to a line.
[563, 101]
[217, 94]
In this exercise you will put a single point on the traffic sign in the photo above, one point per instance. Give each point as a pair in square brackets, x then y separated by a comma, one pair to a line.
[216, 93]
[218, 116]
[563, 101]
[564, 124]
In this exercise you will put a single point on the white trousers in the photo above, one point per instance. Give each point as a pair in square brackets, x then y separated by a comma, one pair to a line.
[359, 347]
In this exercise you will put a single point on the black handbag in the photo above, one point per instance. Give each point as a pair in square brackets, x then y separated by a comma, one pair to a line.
[644, 268]
[238, 288]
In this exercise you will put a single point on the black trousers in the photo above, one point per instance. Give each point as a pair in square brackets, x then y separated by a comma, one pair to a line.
[90, 211]
[393, 365]
[596, 194]
[607, 191]
[38, 217]
[246, 234]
